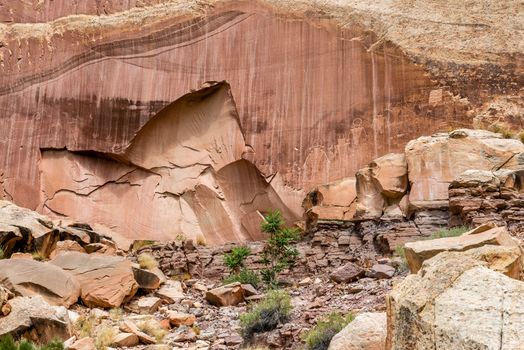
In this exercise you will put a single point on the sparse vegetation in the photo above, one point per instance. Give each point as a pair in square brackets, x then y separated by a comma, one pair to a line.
[265, 316]
[85, 326]
[279, 252]
[141, 244]
[201, 240]
[7, 343]
[319, 337]
[116, 314]
[180, 237]
[147, 261]
[501, 129]
[451, 232]
[181, 277]
[38, 256]
[2, 253]
[104, 337]
[236, 259]
[153, 328]
[399, 251]
[521, 136]
[245, 276]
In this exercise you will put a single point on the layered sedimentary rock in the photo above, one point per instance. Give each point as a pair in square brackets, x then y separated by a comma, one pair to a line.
[182, 174]
[316, 99]
[464, 177]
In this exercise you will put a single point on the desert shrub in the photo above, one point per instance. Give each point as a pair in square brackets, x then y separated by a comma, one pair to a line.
[2, 253]
[85, 326]
[104, 336]
[116, 314]
[400, 252]
[279, 252]
[265, 316]
[319, 337]
[451, 232]
[141, 244]
[245, 276]
[38, 256]
[147, 261]
[153, 328]
[201, 241]
[236, 259]
[7, 343]
[501, 129]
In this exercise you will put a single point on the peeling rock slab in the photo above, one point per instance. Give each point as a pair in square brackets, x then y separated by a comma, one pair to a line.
[366, 332]
[34, 313]
[86, 343]
[148, 279]
[126, 340]
[347, 273]
[181, 319]
[419, 251]
[145, 305]
[228, 295]
[29, 277]
[171, 291]
[105, 281]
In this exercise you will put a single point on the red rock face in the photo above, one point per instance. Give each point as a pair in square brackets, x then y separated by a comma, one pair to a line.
[315, 101]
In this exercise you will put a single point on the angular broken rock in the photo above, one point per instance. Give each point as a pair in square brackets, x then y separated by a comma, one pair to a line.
[171, 291]
[126, 340]
[381, 271]
[29, 277]
[419, 251]
[5, 295]
[228, 295]
[347, 273]
[130, 327]
[366, 332]
[181, 318]
[458, 301]
[105, 281]
[33, 313]
[145, 305]
[148, 279]
[66, 246]
[86, 343]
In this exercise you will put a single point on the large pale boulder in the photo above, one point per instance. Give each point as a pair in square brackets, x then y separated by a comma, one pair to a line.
[419, 251]
[105, 281]
[29, 277]
[435, 161]
[458, 301]
[228, 295]
[34, 314]
[366, 332]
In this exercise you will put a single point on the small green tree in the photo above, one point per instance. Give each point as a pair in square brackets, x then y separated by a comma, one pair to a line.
[236, 259]
[279, 252]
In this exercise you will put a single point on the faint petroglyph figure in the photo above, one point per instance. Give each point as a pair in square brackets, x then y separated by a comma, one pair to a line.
[316, 166]
[357, 131]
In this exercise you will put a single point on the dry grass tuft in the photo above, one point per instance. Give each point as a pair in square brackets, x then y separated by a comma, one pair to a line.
[104, 337]
[147, 261]
[153, 328]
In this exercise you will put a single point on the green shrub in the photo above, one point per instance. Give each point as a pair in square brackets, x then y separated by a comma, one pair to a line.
[7, 343]
[451, 232]
[319, 337]
[235, 260]
[279, 252]
[265, 316]
[245, 276]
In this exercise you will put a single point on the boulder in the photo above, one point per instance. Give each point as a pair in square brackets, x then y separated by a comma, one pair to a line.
[458, 301]
[5, 295]
[366, 332]
[181, 318]
[85, 343]
[419, 251]
[145, 305]
[171, 291]
[126, 340]
[34, 316]
[29, 277]
[228, 295]
[66, 246]
[347, 273]
[148, 279]
[105, 281]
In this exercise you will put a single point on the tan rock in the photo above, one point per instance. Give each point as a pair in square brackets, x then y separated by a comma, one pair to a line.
[5, 295]
[456, 301]
[171, 291]
[148, 279]
[29, 277]
[46, 322]
[366, 332]
[126, 340]
[417, 252]
[145, 305]
[181, 318]
[26, 256]
[228, 295]
[347, 273]
[105, 281]
[86, 343]
[66, 246]
[435, 161]
[130, 327]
